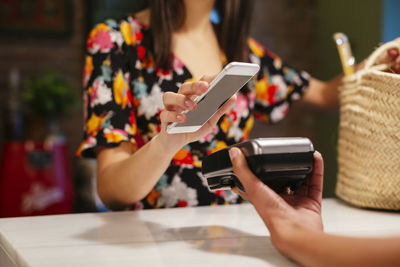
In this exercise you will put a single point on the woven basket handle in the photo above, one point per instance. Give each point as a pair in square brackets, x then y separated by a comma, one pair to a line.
[379, 51]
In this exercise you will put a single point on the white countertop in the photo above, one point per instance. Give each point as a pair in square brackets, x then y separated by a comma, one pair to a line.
[203, 236]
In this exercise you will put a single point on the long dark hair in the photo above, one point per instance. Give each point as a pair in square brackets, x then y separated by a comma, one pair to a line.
[232, 31]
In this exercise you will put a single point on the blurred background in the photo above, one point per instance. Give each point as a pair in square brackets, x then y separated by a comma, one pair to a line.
[42, 47]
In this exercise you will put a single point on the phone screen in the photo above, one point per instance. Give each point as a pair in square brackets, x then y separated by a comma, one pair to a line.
[214, 99]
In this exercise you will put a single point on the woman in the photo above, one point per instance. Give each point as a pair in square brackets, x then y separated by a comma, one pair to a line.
[295, 223]
[141, 73]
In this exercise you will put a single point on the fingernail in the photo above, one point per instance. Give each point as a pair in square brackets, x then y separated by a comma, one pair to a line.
[179, 117]
[232, 153]
[188, 103]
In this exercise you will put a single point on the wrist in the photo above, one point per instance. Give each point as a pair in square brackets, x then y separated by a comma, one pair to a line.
[291, 236]
[285, 236]
[167, 144]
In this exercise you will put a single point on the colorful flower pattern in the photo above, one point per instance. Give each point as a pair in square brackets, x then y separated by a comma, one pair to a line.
[123, 100]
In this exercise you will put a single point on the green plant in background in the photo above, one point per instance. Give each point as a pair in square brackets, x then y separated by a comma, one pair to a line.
[50, 96]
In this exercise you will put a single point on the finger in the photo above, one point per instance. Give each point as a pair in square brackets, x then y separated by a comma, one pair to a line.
[396, 68]
[397, 65]
[393, 53]
[171, 116]
[241, 168]
[240, 193]
[177, 102]
[316, 182]
[303, 190]
[194, 88]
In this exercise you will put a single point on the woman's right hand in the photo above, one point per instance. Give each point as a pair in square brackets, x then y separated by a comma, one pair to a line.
[176, 103]
[283, 214]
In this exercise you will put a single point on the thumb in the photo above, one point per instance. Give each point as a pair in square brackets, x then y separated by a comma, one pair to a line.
[256, 191]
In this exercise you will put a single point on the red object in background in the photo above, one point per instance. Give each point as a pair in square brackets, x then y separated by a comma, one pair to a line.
[35, 179]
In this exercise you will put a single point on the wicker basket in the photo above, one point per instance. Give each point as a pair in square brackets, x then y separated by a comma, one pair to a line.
[369, 137]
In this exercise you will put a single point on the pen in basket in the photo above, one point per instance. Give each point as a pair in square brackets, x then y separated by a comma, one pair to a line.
[345, 54]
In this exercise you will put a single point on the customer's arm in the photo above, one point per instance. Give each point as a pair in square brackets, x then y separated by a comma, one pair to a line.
[295, 224]
[315, 248]
[324, 94]
[125, 176]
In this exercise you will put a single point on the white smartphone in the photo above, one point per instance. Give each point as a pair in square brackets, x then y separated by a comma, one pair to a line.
[229, 81]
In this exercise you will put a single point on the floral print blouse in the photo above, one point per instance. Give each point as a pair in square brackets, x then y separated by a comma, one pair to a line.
[123, 100]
